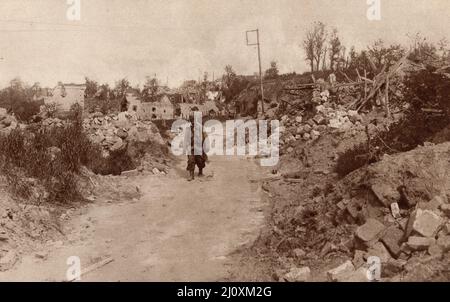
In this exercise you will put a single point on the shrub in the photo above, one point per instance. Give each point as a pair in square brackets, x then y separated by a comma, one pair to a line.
[49, 110]
[26, 110]
[52, 156]
[17, 100]
[117, 162]
[105, 106]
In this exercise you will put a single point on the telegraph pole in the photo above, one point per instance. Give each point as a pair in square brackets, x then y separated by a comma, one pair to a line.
[259, 61]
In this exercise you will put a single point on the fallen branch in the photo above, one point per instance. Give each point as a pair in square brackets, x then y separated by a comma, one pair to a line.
[359, 76]
[94, 267]
[348, 84]
[430, 110]
[293, 180]
[280, 242]
[301, 87]
[367, 80]
[269, 178]
[382, 78]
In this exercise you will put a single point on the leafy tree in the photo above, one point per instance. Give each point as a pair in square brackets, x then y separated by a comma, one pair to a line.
[36, 89]
[335, 47]
[232, 84]
[120, 90]
[381, 54]
[17, 99]
[103, 92]
[91, 88]
[422, 50]
[229, 77]
[360, 61]
[150, 90]
[272, 72]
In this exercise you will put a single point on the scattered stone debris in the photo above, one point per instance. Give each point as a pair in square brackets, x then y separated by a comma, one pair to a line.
[369, 232]
[7, 122]
[341, 272]
[113, 132]
[7, 260]
[416, 243]
[395, 209]
[392, 239]
[424, 223]
[302, 274]
[41, 255]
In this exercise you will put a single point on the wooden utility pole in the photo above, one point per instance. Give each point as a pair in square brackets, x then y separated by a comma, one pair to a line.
[259, 61]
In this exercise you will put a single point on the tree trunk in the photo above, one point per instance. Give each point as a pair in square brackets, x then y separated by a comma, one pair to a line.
[324, 63]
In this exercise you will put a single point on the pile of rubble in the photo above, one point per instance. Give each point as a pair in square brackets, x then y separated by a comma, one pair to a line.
[52, 122]
[396, 211]
[18, 223]
[7, 122]
[113, 132]
[327, 118]
[337, 107]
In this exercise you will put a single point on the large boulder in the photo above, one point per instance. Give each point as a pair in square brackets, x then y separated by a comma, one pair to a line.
[341, 272]
[423, 222]
[385, 192]
[296, 274]
[369, 232]
[392, 239]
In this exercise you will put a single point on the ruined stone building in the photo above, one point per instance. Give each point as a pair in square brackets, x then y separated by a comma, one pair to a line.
[163, 109]
[133, 103]
[66, 95]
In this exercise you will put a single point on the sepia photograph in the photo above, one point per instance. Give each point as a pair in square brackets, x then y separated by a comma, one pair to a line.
[207, 141]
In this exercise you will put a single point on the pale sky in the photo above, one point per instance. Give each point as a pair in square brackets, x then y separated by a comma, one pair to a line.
[180, 39]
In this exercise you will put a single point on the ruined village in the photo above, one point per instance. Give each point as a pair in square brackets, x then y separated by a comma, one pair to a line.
[363, 176]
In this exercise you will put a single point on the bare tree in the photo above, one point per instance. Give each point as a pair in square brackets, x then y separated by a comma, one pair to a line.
[314, 45]
[308, 47]
[319, 42]
[324, 59]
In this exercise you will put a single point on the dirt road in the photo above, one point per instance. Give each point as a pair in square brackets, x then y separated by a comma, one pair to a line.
[177, 230]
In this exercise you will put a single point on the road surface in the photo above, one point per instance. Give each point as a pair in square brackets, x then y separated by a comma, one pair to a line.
[177, 230]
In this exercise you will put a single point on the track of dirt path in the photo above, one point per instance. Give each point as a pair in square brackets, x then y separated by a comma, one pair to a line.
[177, 230]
